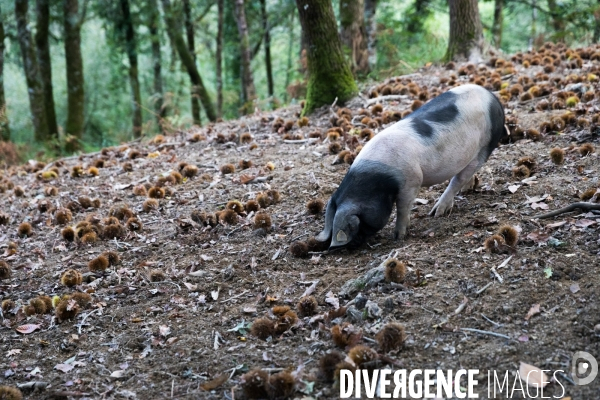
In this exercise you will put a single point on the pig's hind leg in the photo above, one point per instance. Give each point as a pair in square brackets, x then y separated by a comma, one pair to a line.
[458, 181]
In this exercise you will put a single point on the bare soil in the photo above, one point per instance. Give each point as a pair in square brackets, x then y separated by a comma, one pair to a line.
[163, 339]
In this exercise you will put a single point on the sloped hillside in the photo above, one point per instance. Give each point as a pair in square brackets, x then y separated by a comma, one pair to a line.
[164, 281]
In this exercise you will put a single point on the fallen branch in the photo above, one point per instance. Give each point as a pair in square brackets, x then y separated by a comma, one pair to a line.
[486, 333]
[572, 207]
[386, 98]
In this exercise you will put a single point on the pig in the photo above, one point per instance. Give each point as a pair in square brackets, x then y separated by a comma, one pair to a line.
[451, 136]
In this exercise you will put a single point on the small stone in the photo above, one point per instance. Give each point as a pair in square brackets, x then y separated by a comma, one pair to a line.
[360, 301]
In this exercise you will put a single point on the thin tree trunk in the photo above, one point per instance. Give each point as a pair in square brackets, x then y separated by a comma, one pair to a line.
[596, 35]
[248, 89]
[44, 63]
[330, 76]
[159, 108]
[558, 22]
[219, 58]
[353, 34]
[131, 49]
[187, 60]
[32, 73]
[4, 127]
[288, 71]
[268, 65]
[75, 79]
[466, 32]
[533, 31]
[371, 31]
[498, 19]
[189, 32]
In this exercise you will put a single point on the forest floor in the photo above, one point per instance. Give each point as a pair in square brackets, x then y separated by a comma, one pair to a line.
[171, 319]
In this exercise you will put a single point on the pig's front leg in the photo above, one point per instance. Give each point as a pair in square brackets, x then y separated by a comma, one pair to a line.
[458, 181]
[404, 202]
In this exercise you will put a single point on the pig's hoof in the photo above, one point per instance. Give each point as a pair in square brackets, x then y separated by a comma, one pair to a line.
[399, 235]
[442, 207]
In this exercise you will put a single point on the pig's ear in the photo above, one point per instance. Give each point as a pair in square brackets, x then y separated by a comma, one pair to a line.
[325, 235]
[345, 230]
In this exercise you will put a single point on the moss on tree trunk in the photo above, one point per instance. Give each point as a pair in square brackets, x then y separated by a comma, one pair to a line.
[329, 74]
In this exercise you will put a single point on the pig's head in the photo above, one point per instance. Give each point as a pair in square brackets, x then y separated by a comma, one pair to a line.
[342, 226]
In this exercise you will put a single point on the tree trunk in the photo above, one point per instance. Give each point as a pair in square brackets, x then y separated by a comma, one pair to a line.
[219, 58]
[596, 35]
[75, 81]
[330, 76]
[353, 34]
[32, 74]
[371, 31]
[4, 127]
[288, 71]
[159, 108]
[187, 60]
[558, 22]
[265, 23]
[498, 19]
[248, 89]
[131, 49]
[44, 63]
[466, 32]
[189, 32]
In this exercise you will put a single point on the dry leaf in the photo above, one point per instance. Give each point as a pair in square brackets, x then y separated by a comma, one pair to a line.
[556, 224]
[215, 383]
[513, 188]
[331, 299]
[250, 310]
[190, 286]
[535, 309]
[538, 237]
[118, 374]
[27, 328]
[164, 330]
[64, 367]
[584, 223]
[574, 288]
[534, 376]
[13, 352]
[543, 206]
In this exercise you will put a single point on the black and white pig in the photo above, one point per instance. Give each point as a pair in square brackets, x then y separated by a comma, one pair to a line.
[451, 136]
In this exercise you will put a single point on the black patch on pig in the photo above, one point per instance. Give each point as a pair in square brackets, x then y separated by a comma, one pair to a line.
[496, 112]
[371, 187]
[441, 110]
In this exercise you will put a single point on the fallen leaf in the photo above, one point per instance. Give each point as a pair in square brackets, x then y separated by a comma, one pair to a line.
[215, 293]
[164, 330]
[584, 223]
[27, 328]
[574, 288]
[534, 376]
[172, 340]
[543, 206]
[513, 188]
[331, 299]
[64, 367]
[191, 287]
[523, 338]
[421, 201]
[215, 383]
[556, 224]
[535, 309]
[250, 310]
[118, 374]
[13, 352]
[538, 237]
[535, 199]
[548, 272]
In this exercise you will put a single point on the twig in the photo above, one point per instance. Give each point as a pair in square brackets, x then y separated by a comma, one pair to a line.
[582, 205]
[300, 141]
[311, 288]
[385, 98]
[485, 287]
[486, 333]
[505, 262]
[83, 320]
[234, 297]
[490, 321]
[172, 283]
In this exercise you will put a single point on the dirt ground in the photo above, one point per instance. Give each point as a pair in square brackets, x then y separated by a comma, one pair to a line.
[143, 337]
